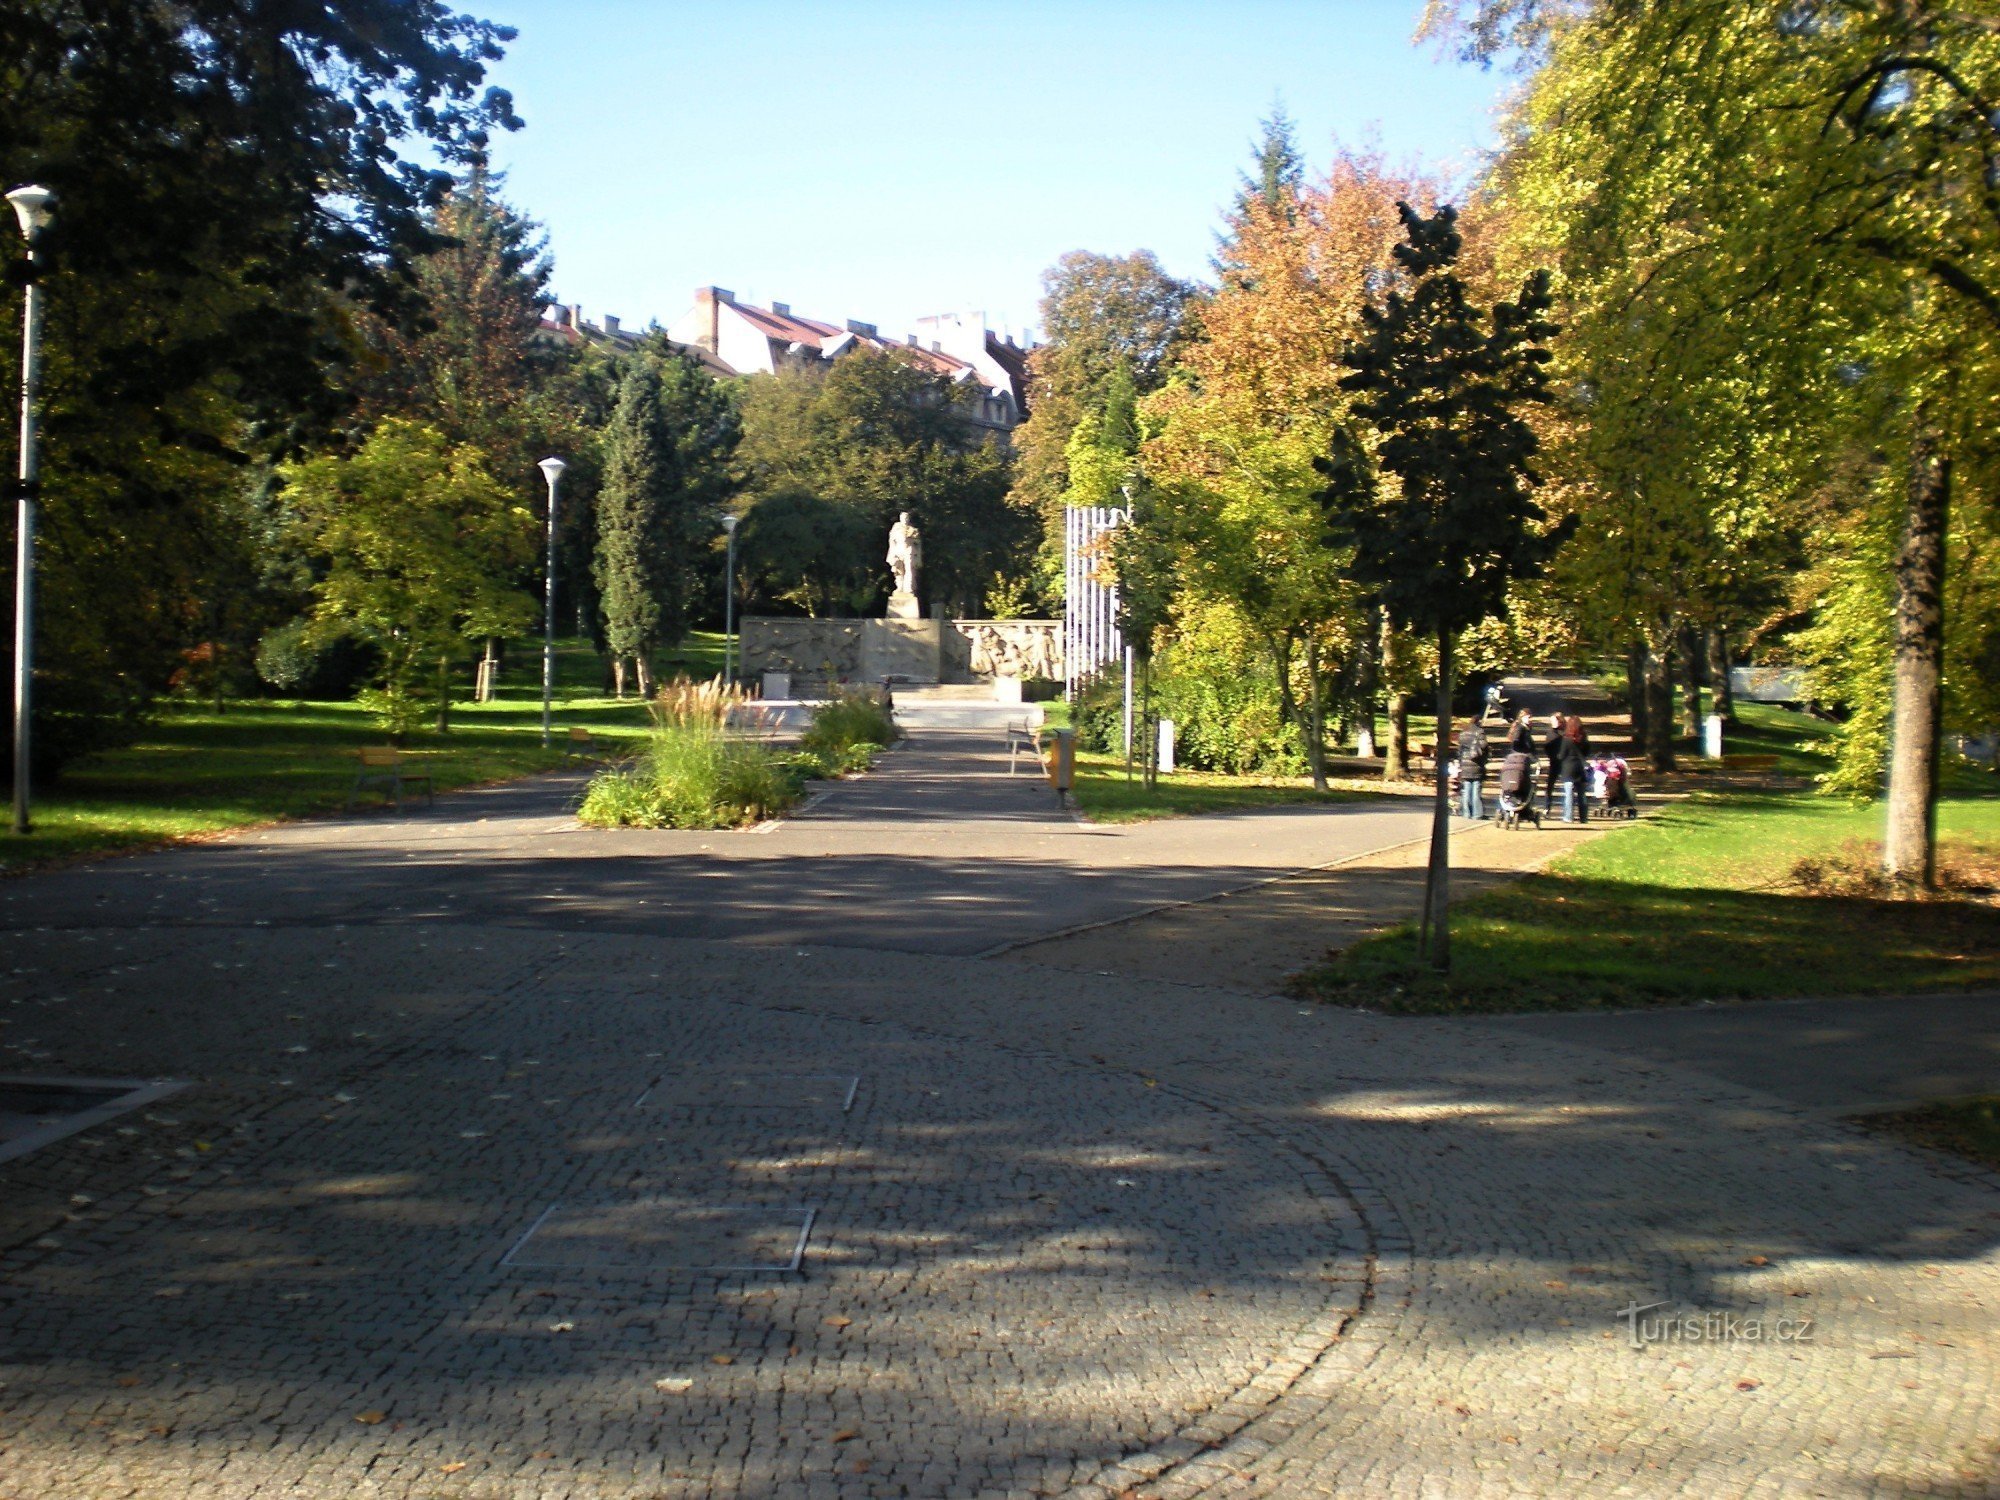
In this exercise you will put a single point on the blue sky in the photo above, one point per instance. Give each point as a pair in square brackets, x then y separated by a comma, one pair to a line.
[884, 159]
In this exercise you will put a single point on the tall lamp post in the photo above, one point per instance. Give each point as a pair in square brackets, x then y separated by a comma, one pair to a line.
[552, 469]
[32, 207]
[729, 603]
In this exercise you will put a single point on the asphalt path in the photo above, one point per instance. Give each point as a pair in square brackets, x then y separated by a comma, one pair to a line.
[940, 850]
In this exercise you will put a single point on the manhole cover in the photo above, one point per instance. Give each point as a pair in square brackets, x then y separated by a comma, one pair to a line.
[36, 1111]
[659, 1234]
[752, 1091]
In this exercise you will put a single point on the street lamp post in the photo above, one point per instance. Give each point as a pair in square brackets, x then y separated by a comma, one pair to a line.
[729, 604]
[552, 469]
[32, 207]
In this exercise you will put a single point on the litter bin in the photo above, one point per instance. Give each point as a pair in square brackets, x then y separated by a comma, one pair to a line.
[1062, 760]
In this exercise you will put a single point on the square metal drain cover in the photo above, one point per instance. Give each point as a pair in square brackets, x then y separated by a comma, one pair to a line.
[37, 1111]
[767, 1090]
[663, 1234]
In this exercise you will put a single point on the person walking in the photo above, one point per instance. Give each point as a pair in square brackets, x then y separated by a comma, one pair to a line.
[1472, 752]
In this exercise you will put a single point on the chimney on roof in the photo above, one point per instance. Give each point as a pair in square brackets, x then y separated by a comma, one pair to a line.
[782, 309]
[866, 330]
[936, 347]
[910, 339]
[576, 316]
[610, 325]
[708, 302]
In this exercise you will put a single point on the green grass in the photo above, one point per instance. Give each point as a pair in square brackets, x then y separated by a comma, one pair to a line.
[1105, 796]
[196, 772]
[1964, 1127]
[1693, 902]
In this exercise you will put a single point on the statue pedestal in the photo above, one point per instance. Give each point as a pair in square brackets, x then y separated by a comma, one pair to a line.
[904, 606]
[912, 649]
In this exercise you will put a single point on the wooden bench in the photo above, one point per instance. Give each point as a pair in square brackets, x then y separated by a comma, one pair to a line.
[385, 767]
[579, 745]
[1023, 735]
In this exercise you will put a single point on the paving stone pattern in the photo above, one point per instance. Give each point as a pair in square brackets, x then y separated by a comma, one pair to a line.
[1076, 1235]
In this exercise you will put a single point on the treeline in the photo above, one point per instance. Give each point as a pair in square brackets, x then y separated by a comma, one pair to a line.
[298, 379]
[1764, 431]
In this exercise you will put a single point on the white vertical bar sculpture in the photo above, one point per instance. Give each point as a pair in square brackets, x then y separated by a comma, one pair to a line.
[1090, 597]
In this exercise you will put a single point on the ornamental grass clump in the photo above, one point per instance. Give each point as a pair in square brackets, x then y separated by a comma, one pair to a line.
[848, 732]
[692, 774]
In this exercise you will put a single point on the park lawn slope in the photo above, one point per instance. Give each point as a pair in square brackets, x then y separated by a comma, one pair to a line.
[1695, 902]
[195, 772]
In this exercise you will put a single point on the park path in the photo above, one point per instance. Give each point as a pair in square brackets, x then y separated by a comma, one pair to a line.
[940, 850]
[491, 1171]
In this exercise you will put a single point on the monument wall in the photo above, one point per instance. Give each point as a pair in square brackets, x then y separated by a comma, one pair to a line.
[818, 653]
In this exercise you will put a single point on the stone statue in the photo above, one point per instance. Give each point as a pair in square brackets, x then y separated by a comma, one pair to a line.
[906, 556]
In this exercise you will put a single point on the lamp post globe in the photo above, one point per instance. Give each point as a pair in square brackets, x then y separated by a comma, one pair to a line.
[34, 208]
[552, 470]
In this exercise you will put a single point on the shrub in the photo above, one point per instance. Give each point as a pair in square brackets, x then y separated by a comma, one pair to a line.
[846, 732]
[692, 774]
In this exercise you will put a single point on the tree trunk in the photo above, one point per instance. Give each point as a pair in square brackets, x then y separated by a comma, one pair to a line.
[1909, 850]
[1149, 726]
[491, 669]
[1315, 719]
[618, 675]
[444, 695]
[1635, 692]
[1659, 697]
[1721, 696]
[215, 673]
[642, 666]
[1396, 752]
[1688, 649]
[1434, 936]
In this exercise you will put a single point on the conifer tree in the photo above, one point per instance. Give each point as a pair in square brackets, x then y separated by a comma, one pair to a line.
[629, 508]
[666, 478]
[1441, 382]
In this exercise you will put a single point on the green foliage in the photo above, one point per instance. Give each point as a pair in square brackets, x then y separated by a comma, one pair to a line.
[847, 731]
[417, 546]
[665, 480]
[235, 184]
[692, 775]
[1441, 382]
[874, 435]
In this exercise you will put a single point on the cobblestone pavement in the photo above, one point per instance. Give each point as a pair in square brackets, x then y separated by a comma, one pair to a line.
[461, 1209]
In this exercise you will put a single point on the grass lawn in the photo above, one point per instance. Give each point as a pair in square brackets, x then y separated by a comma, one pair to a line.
[1965, 1127]
[1696, 902]
[196, 771]
[1105, 796]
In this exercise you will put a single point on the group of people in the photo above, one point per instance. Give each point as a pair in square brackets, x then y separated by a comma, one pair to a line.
[1571, 767]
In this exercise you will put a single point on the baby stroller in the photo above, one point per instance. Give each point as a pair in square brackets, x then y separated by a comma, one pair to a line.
[1611, 788]
[1517, 791]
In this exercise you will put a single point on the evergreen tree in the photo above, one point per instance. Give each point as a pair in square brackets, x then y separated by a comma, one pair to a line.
[629, 508]
[1442, 383]
[1278, 173]
[666, 479]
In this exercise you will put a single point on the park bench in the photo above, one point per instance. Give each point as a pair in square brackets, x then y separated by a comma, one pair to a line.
[385, 767]
[1023, 736]
[579, 745]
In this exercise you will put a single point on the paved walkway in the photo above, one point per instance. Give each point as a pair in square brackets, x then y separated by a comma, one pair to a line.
[463, 1205]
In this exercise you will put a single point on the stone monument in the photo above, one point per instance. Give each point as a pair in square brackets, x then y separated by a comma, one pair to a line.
[906, 555]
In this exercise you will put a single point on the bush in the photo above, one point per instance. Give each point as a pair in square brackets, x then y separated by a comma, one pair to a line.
[692, 775]
[848, 731]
